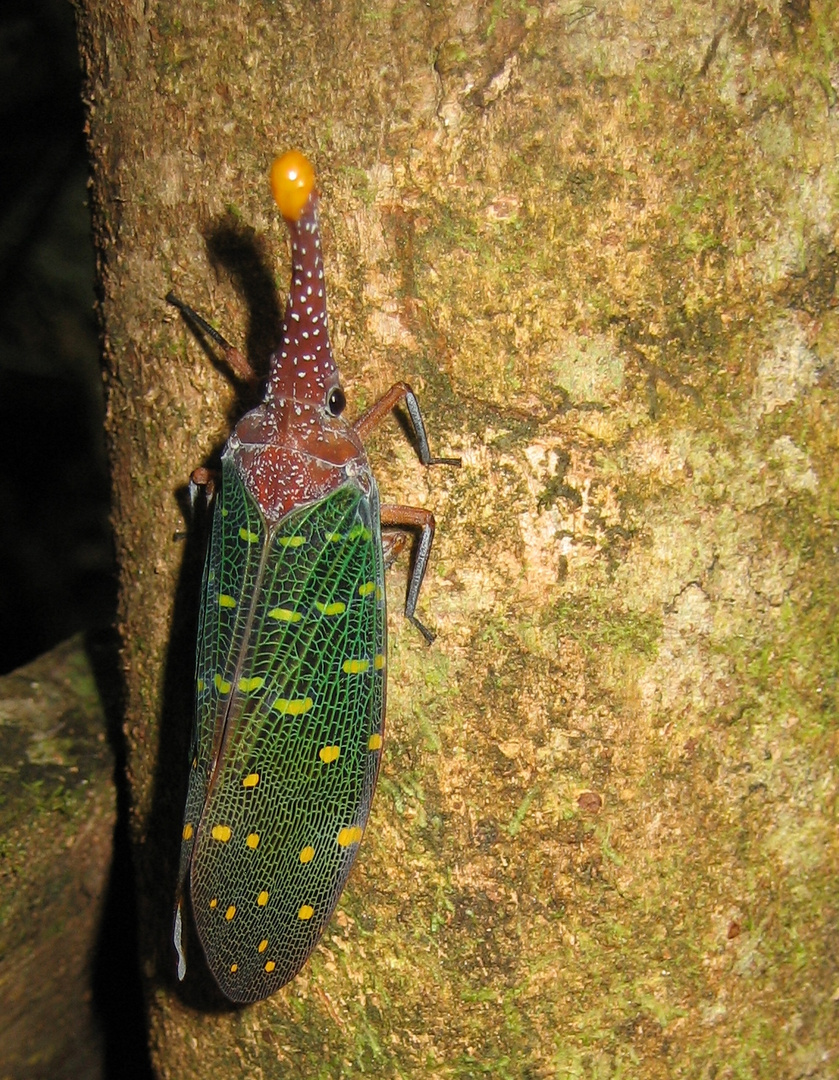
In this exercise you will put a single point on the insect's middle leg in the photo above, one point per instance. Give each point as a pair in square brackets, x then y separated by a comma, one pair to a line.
[411, 517]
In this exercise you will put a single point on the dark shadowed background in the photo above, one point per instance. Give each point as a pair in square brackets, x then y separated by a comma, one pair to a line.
[54, 531]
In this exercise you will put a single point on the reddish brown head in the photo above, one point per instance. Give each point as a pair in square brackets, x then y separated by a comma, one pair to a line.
[297, 446]
[302, 368]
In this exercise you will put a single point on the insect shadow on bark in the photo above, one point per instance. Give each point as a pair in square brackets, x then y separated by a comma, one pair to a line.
[116, 984]
[237, 252]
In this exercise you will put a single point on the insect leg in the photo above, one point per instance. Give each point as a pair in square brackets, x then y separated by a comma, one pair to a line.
[202, 478]
[238, 364]
[378, 411]
[392, 545]
[413, 517]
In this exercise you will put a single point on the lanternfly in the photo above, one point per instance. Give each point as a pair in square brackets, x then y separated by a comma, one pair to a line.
[291, 659]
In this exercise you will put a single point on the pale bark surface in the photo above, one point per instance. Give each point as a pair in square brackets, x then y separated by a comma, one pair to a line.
[601, 242]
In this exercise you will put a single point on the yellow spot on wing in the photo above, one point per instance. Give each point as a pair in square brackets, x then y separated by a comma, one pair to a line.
[293, 706]
[263, 945]
[307, 854]
[222, 833]
[200, 685]
[349, 836]
[231, 911]
[226, 601]
[374, 742]
[367, 588]
[214, 903]
[328, 754]
[246, 534]
[262, 899]
[305, 912]
[335, 608]
[246, 685]
[188, 830]
[283, 614]
[379, 661]
[355, 667]
[252, 840]
[234, 968]
[292, 541]
[269, 967]
[334, 537]
[222, 685]
[251, 780]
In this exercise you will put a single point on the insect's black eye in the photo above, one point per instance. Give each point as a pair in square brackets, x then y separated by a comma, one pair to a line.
[335, 401]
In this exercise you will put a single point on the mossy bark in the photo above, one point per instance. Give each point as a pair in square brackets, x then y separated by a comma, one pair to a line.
[59, 810]
[601, 242]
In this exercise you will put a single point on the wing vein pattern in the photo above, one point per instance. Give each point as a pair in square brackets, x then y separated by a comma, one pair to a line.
[290, 679]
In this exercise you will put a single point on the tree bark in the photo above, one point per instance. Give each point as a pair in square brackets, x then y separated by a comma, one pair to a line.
[601, 242]
[59, 810]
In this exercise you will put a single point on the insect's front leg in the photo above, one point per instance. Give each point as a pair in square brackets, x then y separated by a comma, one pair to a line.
[387, 402]
[237, 362]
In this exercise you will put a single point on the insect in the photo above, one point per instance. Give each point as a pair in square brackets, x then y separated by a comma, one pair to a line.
[291, 657]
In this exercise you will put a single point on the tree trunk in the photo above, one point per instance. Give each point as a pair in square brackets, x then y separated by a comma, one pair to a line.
[601, 244]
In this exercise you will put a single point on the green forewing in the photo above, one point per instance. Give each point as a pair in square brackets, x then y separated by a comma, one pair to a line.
[290, 712]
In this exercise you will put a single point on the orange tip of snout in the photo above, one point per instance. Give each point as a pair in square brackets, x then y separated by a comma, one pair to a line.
[292, 182]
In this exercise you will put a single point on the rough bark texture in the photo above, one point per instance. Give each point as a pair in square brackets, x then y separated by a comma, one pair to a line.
[601, 242]
[59, 808]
